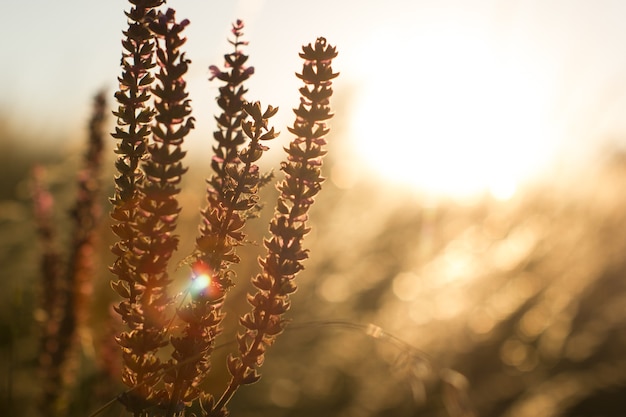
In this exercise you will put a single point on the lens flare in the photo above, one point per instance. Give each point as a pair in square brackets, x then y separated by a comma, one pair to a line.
[200, 283]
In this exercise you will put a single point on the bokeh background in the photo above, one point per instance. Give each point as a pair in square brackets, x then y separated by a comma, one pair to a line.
[468, 252]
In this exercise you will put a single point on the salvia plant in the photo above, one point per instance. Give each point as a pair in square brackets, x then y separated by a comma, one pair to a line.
[66, 278]
[167, 342]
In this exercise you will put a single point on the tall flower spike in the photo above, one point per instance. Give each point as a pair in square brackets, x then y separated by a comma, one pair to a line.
[229, 137]
[230, 194]
[215, 253]
[80, 266]
[86, 213]
[163, 169]
[66, 291]
[284, 249]
[51, 300]
[155, 221]
[133, 118]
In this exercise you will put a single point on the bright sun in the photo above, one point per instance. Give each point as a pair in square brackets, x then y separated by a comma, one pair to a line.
[449, 113]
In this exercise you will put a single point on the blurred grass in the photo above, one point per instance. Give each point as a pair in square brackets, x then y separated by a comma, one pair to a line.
[525, 298]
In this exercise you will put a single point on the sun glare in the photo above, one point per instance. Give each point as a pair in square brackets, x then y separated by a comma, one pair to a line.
[459, 115]
[200, 283]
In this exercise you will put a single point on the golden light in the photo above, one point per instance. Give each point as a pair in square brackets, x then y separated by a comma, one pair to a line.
[200, 283]
[450, 111]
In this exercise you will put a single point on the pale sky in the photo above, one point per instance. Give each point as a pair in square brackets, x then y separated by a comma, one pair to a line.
[510, 76]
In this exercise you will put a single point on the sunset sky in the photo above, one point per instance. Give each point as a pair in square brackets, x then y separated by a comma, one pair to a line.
[436, 91]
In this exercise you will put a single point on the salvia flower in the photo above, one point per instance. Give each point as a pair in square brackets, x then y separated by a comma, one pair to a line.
[284, 249]
[67, 282]
[52, 295]
[214, 254]
[155, 219]
[134, 116]
[231, 193]
[229, 136]
[86, 214]
[154, 117]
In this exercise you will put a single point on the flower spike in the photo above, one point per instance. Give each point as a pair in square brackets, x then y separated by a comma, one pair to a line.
[231, 198]
[285, 253]
[151, 220]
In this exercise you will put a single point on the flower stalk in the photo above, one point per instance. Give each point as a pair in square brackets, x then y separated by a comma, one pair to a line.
[52, 296]
[285, 252]
[215, 252]
[231, 198]
[134, 115]
[66, 283]
[151, 240]
[154, 117]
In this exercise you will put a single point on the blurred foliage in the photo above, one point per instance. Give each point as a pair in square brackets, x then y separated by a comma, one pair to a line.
[525, 298]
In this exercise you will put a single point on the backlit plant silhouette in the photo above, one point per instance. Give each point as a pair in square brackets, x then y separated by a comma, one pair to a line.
[154, 117]
[520, 296]
[67, 278]
[166, 341]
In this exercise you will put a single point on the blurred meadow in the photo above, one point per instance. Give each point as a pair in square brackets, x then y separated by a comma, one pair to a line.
[468, 248]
